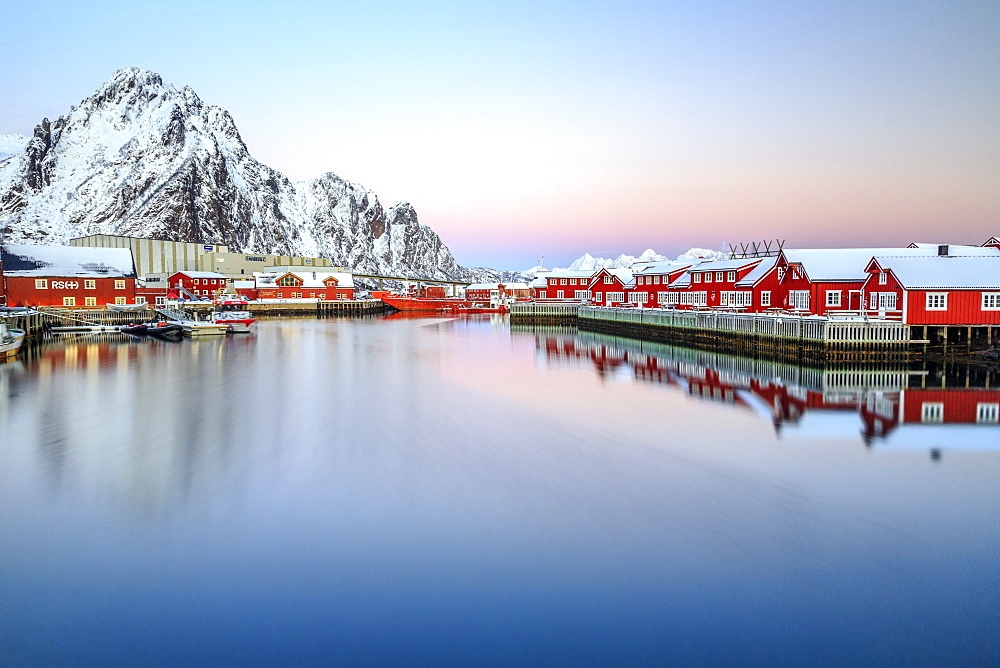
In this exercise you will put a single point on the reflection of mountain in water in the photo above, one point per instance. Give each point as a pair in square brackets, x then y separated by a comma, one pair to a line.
[932, 407]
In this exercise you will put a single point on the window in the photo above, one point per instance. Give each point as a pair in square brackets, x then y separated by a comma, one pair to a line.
[736, 298]
[119, 285]
[987, 413]
[581, 294]
[288, 281]
[90, 284]
[560, 294]
[69, 301]
[884, 301]
[731, 276]
[607, 279]
[197, 281]
[562, 281]
[613, 297]
[312, 294]
[41, 284]
[638, 297]
[765, 298]
[991, 301]
[666, 297]
[161, 301]
[90, 301]
[572, 281]
[798, 300]
[708, 277]
[937, 301]
[932, 412]
[718, 276]
[119, 301]
[140, 300]
[696, 278]
[883, 278]
[833, 298]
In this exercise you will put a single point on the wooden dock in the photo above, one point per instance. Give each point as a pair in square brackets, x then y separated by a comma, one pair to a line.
[783, 336]
[540, 312]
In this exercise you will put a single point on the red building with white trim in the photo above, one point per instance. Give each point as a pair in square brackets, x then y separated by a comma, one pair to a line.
[611, 287]
[308, 285]
[201, 284]
[66, 276]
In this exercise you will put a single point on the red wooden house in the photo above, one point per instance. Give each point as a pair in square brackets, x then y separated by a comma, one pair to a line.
[721, 284]
[564, 284]
[66, 275]
[200, 284]
[934, 290]
[309, 285]
[611, 287]
[652, 282]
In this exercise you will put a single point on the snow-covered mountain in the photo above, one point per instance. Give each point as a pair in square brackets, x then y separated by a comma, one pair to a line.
[142, 158]
[590, 263]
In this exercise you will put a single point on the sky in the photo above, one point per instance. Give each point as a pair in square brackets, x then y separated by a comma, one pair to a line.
[522, 129]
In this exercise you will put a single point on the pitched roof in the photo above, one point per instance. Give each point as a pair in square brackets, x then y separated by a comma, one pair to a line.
[310, 279]
[944, 272]
[201, 274]
[59, 261]
[758, 272]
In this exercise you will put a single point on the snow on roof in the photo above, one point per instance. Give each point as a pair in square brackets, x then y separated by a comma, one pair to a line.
[848, 264]
[947, 271]
[758, 272]
[955, 249]
[667, 267]
[622, 274]
[59, 261]
[201, 274]
[722, 265]
[310, 279]
[568, 273]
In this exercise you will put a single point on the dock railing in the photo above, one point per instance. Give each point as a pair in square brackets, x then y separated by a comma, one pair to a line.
[860, 331]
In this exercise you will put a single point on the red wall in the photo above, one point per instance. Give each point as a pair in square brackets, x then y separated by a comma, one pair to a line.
[21, 291]
[210, 285]
[959, 405]
[964, 308]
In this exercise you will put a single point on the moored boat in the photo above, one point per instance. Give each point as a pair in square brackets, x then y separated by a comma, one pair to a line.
[11, 340]
[231, 311]
[426, 303]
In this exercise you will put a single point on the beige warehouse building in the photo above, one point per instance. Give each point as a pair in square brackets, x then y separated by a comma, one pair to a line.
[157, 256]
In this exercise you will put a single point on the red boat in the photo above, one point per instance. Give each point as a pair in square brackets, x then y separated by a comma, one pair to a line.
[445, 304]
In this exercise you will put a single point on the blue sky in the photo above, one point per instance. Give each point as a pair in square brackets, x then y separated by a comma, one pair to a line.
[517, 128]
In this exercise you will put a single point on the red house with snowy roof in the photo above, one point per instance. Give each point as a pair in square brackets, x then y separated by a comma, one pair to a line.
[611, 287]
[563, 284]
[935, 289]
[66, 275]
[200, 284]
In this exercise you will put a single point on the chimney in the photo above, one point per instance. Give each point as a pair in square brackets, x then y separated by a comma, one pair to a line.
[943, 249]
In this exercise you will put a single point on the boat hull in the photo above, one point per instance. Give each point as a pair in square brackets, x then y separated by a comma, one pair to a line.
[11, 344]
[455, 305]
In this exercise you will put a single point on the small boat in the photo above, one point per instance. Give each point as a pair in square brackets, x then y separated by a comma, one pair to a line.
[11, 340]
[203, 328]
[126, 307]
[165, 329]
[136, 328]
[231, 311]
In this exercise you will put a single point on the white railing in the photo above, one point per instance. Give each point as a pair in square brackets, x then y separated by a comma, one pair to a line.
[785, 326]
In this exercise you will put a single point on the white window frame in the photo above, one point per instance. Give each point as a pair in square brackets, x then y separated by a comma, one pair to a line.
[719, 276]
[696, 278]
[730, 276]
[990, 301]
[765, 297]
[987, 413]
[119, 301]
[119, 284]
[884, 301]
[833, 298]
[883, 278]
[937, 301]
[709, 276]
[561, 294]
[932, 412]
[562, 281]
[798, 300]
[607, 279]
[69, 301]
[666, 297]
[90, 301]
[41, 284]
[140, 300]
[612, 297]
[89, 284]
[582, 294]
[638, 297]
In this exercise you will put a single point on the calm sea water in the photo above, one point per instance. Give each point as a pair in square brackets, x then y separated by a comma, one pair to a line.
[451, 491]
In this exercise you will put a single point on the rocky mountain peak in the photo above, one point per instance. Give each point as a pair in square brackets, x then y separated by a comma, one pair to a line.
[142, 158]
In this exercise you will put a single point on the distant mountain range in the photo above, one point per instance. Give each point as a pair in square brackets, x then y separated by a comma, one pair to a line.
[588, 262]
[142, 158]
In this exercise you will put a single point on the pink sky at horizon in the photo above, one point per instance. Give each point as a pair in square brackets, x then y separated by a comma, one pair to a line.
[555, 128]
